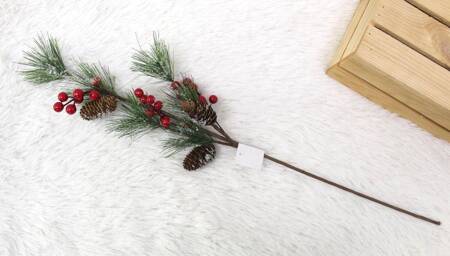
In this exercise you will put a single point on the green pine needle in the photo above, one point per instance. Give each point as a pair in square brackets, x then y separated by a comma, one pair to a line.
[188, 93]
[133, 121]
[44, 62]
[190, 135]
[85, 73]
[183, 131]
[156, 62]
[183, 93]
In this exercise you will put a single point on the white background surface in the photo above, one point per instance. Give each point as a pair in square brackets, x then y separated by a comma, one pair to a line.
[67, 187]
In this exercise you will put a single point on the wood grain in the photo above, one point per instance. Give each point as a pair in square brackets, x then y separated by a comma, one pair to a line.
[402, 73]
[407, 24]
[387, 101]
[440, 9]
[398, 56]
[416, 29]
[360, 10]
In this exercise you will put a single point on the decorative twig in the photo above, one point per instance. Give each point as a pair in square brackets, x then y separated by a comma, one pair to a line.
[339, 186]
[186, 115]
[342, 187]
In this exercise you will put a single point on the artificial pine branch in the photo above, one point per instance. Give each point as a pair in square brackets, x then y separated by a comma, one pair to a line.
[138, 116]
[44, 61]
[183, 133]
[46, 58]
[156, 62]
[133, 121]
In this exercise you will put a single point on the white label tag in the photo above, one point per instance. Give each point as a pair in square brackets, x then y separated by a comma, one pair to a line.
[249, 156]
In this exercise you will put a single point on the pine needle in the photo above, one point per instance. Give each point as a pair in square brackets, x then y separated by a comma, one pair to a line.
[85, 73]
[133, 121]
[191, 136]
[183, 93]
[188, 133]
[183, 131]
[44, 61]
[156, 62]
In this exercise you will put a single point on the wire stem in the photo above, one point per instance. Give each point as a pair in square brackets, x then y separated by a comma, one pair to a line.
[223, 143]
[329, 182]
[218, 128]
[217, 136]
[232, 143]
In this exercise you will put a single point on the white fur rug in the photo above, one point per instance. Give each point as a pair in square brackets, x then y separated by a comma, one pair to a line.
[67, 187]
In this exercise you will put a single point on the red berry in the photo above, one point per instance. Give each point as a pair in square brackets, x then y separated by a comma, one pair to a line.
[149, 112]
[143, 99]
[96, 81]
[138, 92]
[62, 96]
[213, 99]
[202, 99]
[71, 109]
[165, 121]
[78, 99]
[78, 93]
[149, 99]
[158, 105]
[58, 106]
[174, 85]
[94, 95]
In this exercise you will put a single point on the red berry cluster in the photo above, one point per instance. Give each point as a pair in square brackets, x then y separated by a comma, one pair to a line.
[153, 107]
[188, 82]
[77, 97]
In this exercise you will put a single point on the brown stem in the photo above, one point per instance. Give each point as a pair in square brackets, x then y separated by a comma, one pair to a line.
[418, 216]
[223, 143]
[67, 103]
[339, 186]
[225, 139]
[218, 128]
[217, 136]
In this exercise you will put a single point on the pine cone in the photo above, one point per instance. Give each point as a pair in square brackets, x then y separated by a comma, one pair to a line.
[97, 108]
[206, 115]
[188, 106]
[199, 157]
[190, 83]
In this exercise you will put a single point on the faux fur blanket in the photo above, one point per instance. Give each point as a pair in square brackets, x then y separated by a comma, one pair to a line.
[68, 187]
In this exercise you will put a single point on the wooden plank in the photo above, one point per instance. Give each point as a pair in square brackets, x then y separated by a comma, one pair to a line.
[440, 9]
[365, 20]
[360, 9]
[416, 29]
[402, 73]
[385, 100]
[407, 24]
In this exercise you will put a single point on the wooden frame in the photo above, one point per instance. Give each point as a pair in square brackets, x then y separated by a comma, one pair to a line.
[398, 56]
